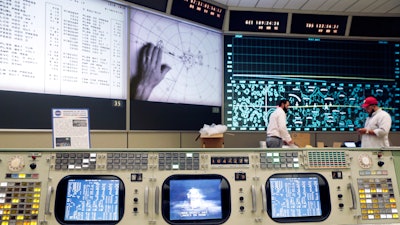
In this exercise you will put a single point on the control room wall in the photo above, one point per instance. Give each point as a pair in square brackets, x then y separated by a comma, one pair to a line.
[183, 139]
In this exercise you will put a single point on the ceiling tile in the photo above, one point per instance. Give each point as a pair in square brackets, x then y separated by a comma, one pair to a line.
[266, 3]
[327, 5]
[371, 7]
[313, 4]
[342, 6]
[359, 6]
[280, 4]
[395, 11]
[388, 6]
[233, 2]
[295, 4]
[248, 3]
[224, 2]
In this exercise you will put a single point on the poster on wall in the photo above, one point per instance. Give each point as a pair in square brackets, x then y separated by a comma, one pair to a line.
[71, 128]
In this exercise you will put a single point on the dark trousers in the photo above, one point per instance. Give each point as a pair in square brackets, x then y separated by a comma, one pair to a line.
[274, 142]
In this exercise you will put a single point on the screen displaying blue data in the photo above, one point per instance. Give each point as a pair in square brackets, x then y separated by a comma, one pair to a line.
[295, 197]
[92, 200]
[325, 80]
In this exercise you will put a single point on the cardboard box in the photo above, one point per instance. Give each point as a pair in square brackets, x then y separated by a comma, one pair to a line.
[212, 141]
[301, 139]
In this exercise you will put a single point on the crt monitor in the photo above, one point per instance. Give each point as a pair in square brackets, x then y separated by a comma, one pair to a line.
[298, 197]
[196, 199]
[90, 199]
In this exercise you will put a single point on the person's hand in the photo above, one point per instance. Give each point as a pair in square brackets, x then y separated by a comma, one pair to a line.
[150, 72]
[362, 130]
[291, 142]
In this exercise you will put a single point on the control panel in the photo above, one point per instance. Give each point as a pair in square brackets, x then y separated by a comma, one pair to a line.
[198, 186]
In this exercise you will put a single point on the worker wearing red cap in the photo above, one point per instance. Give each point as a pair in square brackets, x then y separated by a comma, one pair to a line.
[375, 133]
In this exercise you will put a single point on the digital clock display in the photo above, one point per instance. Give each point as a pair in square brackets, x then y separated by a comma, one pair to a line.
[199, 11]
[369, 26]
[258, 21]
[318, 24]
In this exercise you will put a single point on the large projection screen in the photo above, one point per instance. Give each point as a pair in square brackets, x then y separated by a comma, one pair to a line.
[189, 95]
[325, 80]
[63, 54]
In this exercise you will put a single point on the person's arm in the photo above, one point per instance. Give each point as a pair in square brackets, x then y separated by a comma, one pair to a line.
[384, 124]
[283, 129]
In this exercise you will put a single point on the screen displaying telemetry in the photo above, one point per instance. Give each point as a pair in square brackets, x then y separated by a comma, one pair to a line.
[295, 197]
[92, 200]
[325, 81]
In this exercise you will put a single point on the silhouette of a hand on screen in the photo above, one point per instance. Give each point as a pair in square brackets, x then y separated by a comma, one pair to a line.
[150, 71]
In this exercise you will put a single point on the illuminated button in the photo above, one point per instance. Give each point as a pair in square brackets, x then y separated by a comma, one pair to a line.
[395, 216]
[364, 211]
[20, 217]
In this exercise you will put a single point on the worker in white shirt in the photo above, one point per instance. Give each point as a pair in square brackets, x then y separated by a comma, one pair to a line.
[375, 133]
[277, 132]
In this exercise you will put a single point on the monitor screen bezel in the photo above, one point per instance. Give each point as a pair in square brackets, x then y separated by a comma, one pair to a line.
[324, 197]
[225, 199]
[61, 197]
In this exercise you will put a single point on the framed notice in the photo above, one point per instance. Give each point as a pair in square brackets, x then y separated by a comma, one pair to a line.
[71, 128]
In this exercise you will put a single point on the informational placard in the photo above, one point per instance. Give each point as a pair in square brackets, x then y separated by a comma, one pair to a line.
[71, 128]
